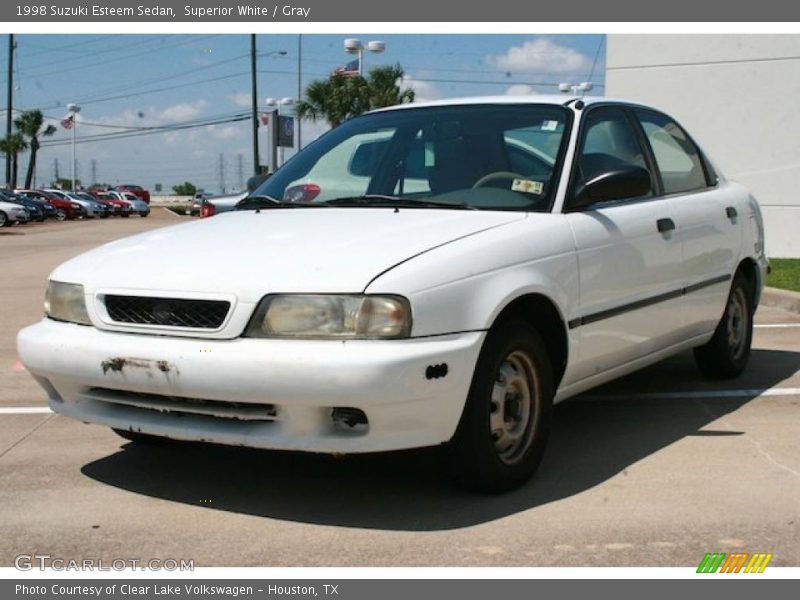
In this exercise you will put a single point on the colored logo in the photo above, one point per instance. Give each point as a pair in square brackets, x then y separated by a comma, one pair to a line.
[736, 562]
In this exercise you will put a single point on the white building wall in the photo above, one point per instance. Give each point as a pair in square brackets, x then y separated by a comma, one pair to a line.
[739, 97]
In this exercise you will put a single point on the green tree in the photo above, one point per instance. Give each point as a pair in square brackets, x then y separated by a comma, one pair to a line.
[342, 97]
[184, 189]
[29, 124]
[384, 88]
[12, 146]
[62, 183]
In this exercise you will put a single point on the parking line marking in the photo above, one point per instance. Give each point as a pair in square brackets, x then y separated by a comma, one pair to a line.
[704, 394]
[776, 325]
[24, 410]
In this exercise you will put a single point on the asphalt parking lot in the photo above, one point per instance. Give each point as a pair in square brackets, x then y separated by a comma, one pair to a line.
[654, 470]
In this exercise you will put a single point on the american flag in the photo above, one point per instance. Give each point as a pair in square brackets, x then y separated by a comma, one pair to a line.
[348, 70]
[67, 122]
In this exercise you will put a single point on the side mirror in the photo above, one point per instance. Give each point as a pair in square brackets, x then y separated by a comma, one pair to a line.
[628, 181]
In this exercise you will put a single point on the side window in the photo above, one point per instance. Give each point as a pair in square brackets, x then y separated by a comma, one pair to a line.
[610, 142]
[677, 158]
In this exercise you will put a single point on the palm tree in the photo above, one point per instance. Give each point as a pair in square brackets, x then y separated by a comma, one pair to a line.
[340, 97]
[12, 146]
[385, 89]
[30, 124]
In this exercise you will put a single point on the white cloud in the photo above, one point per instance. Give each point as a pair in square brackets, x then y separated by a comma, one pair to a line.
[521, 89]
[423, 90]
[182, 112]
[228, 132]
[541, 56]
[242, 99]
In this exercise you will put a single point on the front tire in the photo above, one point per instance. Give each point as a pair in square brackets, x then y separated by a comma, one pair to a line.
[506, 421]
[3, 219]
[725, 356]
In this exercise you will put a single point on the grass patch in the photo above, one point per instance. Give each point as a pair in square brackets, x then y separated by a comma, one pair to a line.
[785, 274]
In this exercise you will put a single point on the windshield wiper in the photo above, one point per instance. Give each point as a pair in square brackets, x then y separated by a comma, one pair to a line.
[383, 201]
[260, 201]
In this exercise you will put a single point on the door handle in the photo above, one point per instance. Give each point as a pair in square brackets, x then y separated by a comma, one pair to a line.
[731, 213]
[665, 225]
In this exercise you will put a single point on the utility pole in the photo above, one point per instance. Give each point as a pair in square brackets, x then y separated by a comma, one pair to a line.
[55, 170]
[299, 88]
[240, 170]
[221, 173]
[94, 171]
[256, 169]
[10, 103]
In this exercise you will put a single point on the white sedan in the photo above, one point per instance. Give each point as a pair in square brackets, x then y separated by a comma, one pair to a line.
[544, 246]
[11, 213]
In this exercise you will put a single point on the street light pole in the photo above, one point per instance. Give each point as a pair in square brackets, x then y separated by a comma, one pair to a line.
[254, 92]
[73, 109]
[10, 104]
[299, 86]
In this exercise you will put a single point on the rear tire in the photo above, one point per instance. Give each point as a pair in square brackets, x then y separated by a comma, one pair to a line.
[725, 356]
[3, 219]
[506, 421]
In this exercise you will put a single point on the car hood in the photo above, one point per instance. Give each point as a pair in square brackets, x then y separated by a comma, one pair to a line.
[249, 254]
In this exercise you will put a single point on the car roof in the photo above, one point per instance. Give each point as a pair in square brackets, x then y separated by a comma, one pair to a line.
[551, 99]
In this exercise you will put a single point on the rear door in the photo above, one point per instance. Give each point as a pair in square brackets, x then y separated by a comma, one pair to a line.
[629, 259]
[706, 218]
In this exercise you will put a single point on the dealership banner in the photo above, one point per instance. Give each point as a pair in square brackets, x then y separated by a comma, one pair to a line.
[407, 11]
[386, 589]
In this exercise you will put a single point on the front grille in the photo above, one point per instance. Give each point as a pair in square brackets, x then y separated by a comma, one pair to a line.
[168, 312]
[179, 405]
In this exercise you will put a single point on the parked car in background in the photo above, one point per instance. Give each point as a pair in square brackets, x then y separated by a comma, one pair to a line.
[93, 207]
[546, 246]
[136, 190]
[11, 213]
[64, 196]
[214, 205]
[48, 209]
[66, 209]
[138, 206]
[35, 211]
[116, 207]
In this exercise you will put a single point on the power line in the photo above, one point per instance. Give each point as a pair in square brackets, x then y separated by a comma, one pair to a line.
[126, 134]
[94, 63]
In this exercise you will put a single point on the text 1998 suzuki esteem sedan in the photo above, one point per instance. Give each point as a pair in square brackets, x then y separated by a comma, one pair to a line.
[428, 274]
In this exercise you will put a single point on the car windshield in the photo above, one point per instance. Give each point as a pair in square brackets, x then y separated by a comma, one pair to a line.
[491, 157]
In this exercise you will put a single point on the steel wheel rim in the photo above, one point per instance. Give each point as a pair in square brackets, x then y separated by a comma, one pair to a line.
[737, 323]
[513, 409]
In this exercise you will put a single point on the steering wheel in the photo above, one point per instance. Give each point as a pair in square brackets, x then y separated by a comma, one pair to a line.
[496, 175]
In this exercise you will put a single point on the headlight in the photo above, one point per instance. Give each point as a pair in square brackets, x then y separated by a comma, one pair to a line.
[65, 302]
[331, 316]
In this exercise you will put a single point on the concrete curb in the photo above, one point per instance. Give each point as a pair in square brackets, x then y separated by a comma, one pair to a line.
[781, 299]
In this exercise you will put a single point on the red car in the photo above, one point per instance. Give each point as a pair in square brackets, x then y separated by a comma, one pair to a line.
[65, 210]
[136, 190]
[118, 207]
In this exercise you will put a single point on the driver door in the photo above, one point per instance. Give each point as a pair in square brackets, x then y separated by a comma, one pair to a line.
[629, 258]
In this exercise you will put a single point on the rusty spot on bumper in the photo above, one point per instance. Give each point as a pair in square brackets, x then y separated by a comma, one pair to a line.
[117, 364]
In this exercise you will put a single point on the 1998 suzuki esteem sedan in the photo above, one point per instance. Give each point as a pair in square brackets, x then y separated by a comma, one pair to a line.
[428, 274]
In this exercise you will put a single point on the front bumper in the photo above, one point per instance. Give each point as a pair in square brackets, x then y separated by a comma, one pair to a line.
[136, 382]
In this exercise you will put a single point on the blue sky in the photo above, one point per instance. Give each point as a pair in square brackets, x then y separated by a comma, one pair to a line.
[127, 83]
